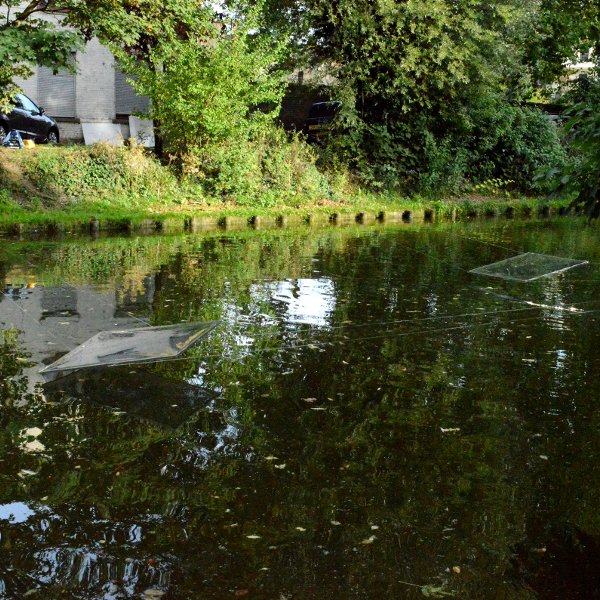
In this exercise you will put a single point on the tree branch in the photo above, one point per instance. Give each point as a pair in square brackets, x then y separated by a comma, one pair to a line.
[32, 7]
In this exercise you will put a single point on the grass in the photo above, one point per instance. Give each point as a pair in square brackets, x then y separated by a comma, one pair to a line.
[68, 186]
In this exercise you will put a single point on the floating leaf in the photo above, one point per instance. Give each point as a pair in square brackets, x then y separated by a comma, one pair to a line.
[253, 537]
[26, 473]
[281, 466]
[369, 540]
[300, 529]
[450, 430]
[153, 593]
[434, 591]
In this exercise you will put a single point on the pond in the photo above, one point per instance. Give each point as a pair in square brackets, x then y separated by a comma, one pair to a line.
[369, 420]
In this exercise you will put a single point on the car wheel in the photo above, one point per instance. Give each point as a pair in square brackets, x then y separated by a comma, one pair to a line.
[3, 131]
[52, 137]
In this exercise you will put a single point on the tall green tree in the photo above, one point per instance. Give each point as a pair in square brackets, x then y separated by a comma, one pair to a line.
[420, 83]
[205, 71]
[561, 29]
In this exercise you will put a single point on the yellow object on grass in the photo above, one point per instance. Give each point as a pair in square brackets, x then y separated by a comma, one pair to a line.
[29, 144]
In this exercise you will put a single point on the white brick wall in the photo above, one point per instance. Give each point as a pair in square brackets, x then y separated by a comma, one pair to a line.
[95, 83]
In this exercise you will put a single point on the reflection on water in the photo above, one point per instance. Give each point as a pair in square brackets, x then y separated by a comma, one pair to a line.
[370, 421]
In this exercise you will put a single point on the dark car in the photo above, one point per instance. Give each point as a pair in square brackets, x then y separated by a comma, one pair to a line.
[319, 120]
[30, 121]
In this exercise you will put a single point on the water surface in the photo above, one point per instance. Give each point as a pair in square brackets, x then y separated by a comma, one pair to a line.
[369, 421]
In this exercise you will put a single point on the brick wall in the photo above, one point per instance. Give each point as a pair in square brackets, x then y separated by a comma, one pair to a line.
[95, 83]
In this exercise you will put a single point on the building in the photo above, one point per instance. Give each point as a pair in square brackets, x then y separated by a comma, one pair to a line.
[98, 93]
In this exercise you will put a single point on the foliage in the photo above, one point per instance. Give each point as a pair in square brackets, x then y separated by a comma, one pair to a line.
[512, 143]
[430, 91]
[74, 174]
[216, 91]
[580, 177]
[266, 170]
[206, 84]
[560, 30]
[483, 140]
[26, 41]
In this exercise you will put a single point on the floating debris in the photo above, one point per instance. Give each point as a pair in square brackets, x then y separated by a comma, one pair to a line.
[369, 540]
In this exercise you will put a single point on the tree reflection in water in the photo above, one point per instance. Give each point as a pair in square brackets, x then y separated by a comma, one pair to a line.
[369, 416]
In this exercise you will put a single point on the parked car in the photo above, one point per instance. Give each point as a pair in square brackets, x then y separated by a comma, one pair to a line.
[30, 121]
[319, 120]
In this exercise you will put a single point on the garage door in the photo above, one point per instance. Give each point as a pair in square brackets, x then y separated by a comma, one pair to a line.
[56, 93]
[127, 99]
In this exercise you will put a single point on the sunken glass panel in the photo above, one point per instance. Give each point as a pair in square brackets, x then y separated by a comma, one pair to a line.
[131, 346]
[528, 267]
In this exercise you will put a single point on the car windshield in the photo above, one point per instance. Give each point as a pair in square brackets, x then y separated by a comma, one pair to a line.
[323, 109]
[28, 104]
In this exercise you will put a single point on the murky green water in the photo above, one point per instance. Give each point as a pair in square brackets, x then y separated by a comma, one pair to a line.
[369, 421]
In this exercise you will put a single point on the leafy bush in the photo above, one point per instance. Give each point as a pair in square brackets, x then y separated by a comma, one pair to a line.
[487, 139]
[447, 167]
[73, 174]
[266, 170]
[580, 177]
[215, 106]
[510, 142]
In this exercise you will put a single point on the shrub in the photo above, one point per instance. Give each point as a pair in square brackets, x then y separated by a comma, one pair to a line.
[447, 167]
[98, 171]
[510, 142]
[266, 170]
[483, 139]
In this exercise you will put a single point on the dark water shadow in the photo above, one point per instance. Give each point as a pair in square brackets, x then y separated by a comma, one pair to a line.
[138, 392]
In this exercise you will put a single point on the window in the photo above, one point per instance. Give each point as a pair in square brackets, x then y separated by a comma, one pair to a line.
[28, 104]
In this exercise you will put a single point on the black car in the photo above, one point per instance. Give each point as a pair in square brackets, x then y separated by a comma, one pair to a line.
[319, 120]
[30, 121]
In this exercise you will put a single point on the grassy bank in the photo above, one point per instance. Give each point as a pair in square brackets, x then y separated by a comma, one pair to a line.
[126, 188]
